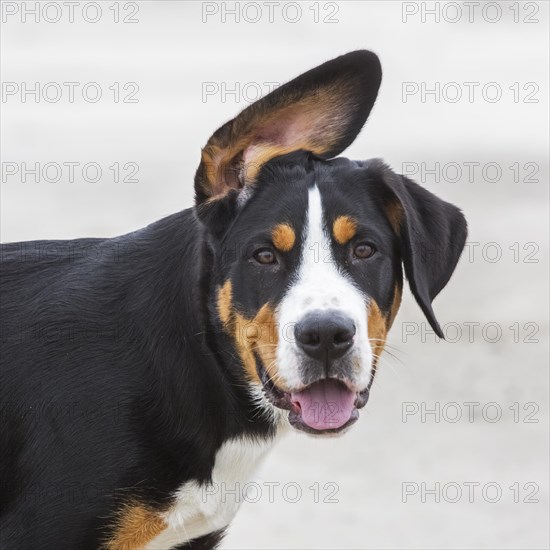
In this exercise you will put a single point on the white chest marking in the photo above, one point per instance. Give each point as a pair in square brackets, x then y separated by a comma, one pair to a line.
[203, 509]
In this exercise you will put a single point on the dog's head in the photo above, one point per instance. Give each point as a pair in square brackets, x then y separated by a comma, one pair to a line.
[309, 250]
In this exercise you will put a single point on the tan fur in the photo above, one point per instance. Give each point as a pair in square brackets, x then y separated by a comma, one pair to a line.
[224, 302]
[344, 229]
[283, 237]
[258, 334]
[394, 212]
[135, 528]
[380, 324]
[377, 329]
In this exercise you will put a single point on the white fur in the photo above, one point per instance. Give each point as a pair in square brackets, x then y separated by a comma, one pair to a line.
[201, 509]
[320, 285]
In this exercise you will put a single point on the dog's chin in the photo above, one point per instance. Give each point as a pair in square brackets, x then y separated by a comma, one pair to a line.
[327, 407]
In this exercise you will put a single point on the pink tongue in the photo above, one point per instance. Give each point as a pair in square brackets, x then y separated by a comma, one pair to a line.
[325, 405]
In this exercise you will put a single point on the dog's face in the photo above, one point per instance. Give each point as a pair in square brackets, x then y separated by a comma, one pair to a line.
[311, 284]
[309, 250]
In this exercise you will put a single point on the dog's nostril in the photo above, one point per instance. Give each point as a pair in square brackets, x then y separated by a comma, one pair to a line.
[344, 336]
[310, 338]
[307, 334]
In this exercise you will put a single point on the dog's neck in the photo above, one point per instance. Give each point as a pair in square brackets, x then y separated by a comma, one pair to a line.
[187, 345]
[247, 407]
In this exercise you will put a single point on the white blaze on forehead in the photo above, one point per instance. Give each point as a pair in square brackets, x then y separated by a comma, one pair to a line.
[320, 285]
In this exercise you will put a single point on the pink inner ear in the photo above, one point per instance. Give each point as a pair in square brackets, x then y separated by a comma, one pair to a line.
[309, 124]
[250, 153]
[273, 135]
[285, 133]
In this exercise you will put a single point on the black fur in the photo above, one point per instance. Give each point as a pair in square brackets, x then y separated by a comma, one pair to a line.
[108, 387]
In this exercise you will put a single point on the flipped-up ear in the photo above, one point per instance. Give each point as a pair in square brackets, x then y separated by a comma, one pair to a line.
[433, 233]
[320, 111]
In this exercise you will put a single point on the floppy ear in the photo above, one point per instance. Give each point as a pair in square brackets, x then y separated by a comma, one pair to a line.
[433, 233]
[320, 111]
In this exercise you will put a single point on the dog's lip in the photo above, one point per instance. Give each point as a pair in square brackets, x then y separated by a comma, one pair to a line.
[296, 420]
[277, 396]
[281, 399]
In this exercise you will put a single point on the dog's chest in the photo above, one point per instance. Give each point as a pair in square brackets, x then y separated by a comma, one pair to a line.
[202, 509]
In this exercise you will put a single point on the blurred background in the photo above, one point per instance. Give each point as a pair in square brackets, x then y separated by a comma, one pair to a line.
[452, 450]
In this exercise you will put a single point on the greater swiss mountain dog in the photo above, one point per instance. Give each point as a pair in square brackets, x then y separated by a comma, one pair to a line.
[138, 371]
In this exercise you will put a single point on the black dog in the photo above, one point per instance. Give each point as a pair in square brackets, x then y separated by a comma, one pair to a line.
[140, 372]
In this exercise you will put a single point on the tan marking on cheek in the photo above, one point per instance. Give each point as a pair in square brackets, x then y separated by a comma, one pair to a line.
[283, 237]
[259, 335]
[136, 526]
[266, 345]
[244, 333]
[344, 229]
[377, 330]
[225, 295]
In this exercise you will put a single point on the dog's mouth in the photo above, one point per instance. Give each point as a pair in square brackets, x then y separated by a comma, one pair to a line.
[327, 406]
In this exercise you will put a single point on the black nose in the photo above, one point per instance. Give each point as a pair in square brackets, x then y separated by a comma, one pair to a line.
[325, 334]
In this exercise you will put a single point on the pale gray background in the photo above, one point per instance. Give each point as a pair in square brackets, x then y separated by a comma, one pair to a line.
[170, 53]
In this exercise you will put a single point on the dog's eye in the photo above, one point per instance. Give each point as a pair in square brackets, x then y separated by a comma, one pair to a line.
[265, 256]
[363, 251]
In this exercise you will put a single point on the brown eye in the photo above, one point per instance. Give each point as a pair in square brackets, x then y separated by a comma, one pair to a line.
[265, 256]
[363, 251]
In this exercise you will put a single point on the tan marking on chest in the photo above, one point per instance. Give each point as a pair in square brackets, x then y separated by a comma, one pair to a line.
[344, 229]
[136, 526]
[283, 237]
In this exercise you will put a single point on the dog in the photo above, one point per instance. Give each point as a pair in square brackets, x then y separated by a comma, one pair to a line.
[139, 371]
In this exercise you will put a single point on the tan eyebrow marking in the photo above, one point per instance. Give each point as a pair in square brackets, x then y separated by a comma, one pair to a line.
[344, 229]
[283, 237]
